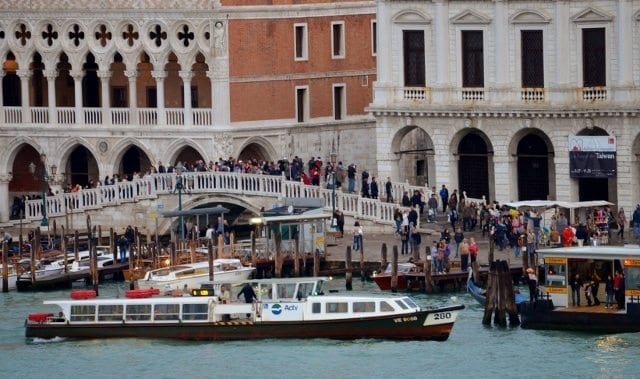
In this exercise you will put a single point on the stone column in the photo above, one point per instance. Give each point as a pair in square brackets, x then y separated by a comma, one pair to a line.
[132, 75]
[503, 188]
[160, 76]
[2, 74]
[105, 99]
[383, 86]
[387, 162]
[220, 94]
[186, 85]
[51, 76]
[501, 58]
[624, 31]
[5, 208]
[441, 52]
[559, 87]
[77, 90]
[25, 75]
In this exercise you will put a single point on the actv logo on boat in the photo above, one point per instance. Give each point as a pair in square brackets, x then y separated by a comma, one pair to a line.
[276, 309]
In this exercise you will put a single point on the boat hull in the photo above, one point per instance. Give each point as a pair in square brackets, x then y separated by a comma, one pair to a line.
[422, 325]
[542, 315]
[405, 282]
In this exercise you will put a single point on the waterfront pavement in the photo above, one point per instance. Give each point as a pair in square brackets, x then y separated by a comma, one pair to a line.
[430, 232]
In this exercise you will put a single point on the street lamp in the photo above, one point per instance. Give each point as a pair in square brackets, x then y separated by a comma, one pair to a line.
[333, 157]
[43, 176]
[179, 187]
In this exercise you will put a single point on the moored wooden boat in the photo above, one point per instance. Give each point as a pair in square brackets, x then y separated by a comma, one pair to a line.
[410, 277]
[285, 308]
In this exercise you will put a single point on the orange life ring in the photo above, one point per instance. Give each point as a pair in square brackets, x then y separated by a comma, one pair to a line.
[83, 294]
[141, 293]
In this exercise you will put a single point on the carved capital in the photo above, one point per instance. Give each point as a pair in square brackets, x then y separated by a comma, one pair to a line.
[6, 178]
[51, 74]
[24, 73]
[131, 74]
[186, 76]
[104, 74]
[159, 75]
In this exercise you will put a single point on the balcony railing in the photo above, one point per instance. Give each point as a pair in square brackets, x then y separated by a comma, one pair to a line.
[114, 116]
[516, 96]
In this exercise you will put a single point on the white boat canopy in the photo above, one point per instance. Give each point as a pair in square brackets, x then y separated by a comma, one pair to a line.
[556, 203]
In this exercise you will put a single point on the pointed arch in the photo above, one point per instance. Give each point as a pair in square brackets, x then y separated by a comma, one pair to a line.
[262, 145]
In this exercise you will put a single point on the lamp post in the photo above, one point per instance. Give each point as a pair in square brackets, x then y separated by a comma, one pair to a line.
[179, 187]
[42, 175]
[333, 157]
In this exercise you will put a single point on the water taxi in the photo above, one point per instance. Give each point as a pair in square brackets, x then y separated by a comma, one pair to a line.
[555, 308]
[410, 277]
[281, 308]
[192, 275]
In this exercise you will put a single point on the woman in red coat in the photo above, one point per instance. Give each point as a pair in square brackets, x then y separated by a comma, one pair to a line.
[567, 236]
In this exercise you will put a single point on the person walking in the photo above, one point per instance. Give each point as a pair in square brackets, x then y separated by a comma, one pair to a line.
[473, 249]
[373, 188]
[608, 289]
[622, 221]
[432, 205]
[595, 286]
[464, 255]
[388, 188]
[444, 196]
[123, 246]
[576, 286]
[357, 236]
[635, 222]
[532, 280]
[458, 237]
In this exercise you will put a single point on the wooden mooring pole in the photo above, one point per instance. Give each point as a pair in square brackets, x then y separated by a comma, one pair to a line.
[348, 275]
[383, 254]
[394, 269]
[5, 266]
[500, 297]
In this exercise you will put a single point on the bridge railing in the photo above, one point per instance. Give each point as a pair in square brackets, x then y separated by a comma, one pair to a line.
[275, 186]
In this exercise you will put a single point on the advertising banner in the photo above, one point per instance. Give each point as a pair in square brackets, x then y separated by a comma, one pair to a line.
[592, 156]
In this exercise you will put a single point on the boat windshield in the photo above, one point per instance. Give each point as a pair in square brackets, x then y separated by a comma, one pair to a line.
[402, 268]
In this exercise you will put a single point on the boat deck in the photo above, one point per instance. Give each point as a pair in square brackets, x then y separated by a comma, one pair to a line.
[590, 309]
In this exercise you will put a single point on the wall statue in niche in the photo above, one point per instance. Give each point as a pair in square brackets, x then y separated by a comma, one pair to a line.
[219, 39]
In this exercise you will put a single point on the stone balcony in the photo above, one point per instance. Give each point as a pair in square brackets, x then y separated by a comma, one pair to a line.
[106, 116]
[558, 98]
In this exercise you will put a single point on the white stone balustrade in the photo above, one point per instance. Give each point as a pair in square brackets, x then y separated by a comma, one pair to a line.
[271, 186]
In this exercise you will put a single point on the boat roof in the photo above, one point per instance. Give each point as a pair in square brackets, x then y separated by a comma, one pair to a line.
[277, 280]
[593, 252]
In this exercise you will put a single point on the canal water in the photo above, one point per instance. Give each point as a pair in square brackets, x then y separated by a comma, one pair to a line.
[472, 350]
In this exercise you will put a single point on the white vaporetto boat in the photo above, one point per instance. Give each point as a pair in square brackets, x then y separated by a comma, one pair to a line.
[192, 275]
[281, 308]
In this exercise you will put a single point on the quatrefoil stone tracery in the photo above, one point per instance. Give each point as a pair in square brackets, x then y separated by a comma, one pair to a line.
[23, 34]
[185, 35]
[49, 35]
[103, 35]
[157, 35]
[76, 35]
[130, 35]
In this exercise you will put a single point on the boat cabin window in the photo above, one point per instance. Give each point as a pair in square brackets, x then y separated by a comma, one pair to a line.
[555, 275]
[385, 307]
[195, 311]
[410, 302]
[364, 306]
[83, 313]
[336, 307]
[286, 291]
[263, 292]
[138, 312]
[110, 312]
[185, 273]
[166, 312]
[305, 289]
[316, 308]
[632, 278]
[401, 304]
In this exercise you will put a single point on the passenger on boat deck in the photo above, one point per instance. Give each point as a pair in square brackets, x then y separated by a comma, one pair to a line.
[249, 294]
[225, 295]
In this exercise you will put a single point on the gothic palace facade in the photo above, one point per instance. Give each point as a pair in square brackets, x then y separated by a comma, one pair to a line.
[507, 99]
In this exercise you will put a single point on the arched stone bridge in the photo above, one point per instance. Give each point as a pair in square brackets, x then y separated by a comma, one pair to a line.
[139, 202]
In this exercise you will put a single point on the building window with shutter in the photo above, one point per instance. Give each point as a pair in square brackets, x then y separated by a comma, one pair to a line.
[337, 40]
[472, 59]
[532, 59]
[374, 37]
[594, 56]
[413, 49]
[339, 101]
[300, 42]
[302, 104]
